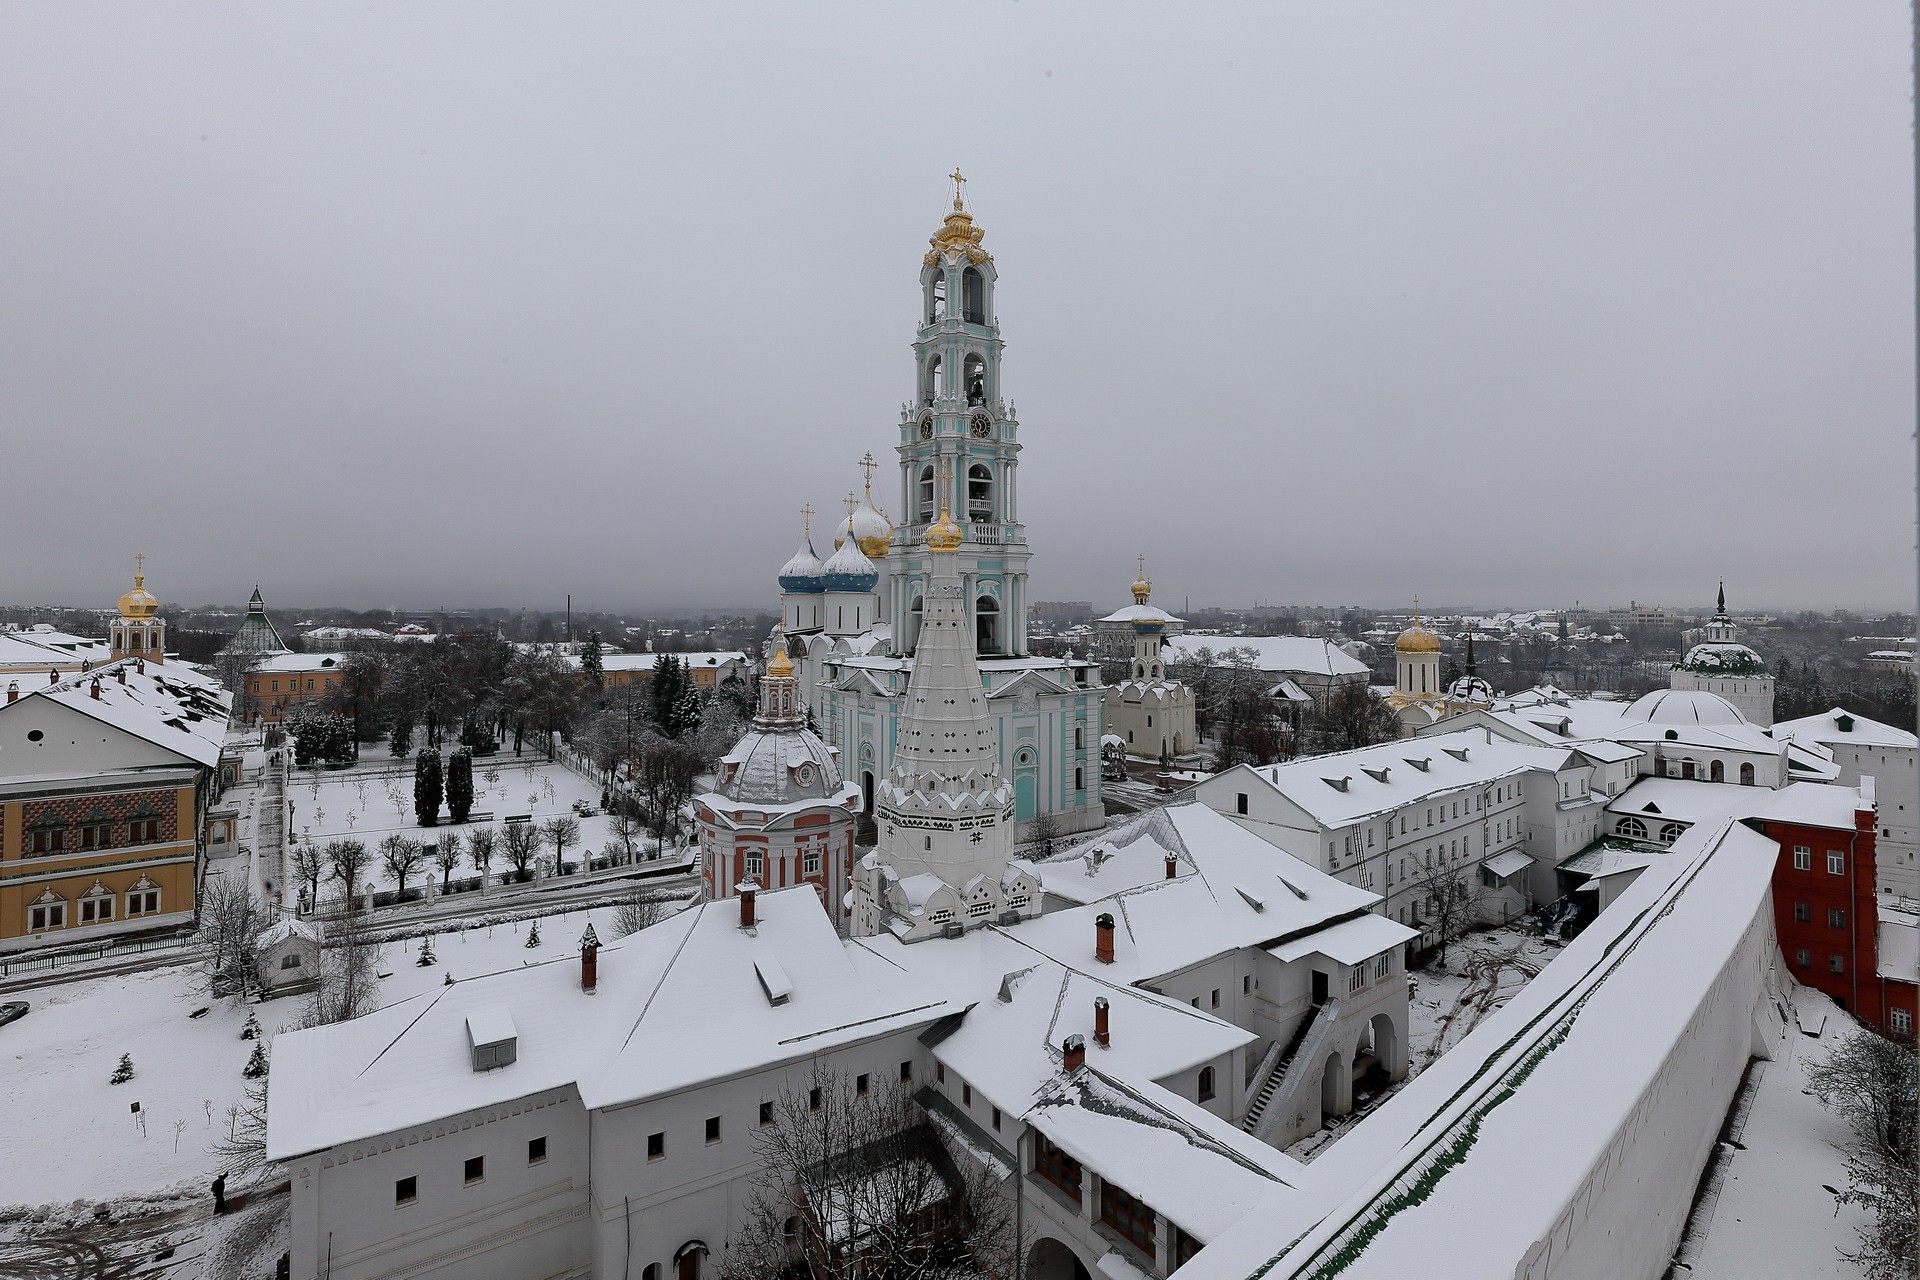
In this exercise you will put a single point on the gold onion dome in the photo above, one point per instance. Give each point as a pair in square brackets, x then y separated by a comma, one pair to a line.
[958, 234]
[943, 534]
[780, 666]
[138, 604]
[1417, 639]
[1142, 586]
[871, 529]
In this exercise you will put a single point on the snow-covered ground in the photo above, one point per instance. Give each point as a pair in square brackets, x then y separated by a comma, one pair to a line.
[55, 1064]
[375, 799]
[1774, 1215]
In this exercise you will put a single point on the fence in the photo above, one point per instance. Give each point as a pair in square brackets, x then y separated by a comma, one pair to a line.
[46, 961]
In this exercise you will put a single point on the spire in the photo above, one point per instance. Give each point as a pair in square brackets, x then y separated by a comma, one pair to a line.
[256, 604]
[1470, 671]
[1721, 611]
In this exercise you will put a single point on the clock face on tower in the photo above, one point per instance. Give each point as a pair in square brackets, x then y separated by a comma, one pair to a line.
[926, 428]
[981, 426]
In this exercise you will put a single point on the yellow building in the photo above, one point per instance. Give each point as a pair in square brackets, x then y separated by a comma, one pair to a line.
[107, 777]
[280, 682]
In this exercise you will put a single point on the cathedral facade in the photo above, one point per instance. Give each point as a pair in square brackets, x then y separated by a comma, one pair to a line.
[854, 617]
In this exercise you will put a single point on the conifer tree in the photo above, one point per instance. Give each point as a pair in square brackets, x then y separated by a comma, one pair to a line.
[257, 1064]
[590, 665]
[533, 935]
[460, 785]
[123, 1072]
[428, 787]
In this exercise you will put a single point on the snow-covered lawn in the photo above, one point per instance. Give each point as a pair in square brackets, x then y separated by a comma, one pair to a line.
[375, 800]
[70, 1135]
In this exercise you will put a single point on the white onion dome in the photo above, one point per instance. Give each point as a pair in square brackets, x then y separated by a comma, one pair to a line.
[1722, 659]
[840, 531]
[848, 569]
[802, 573]
[1683, 706]
[870, 528]
[779, 766]
[1470, 689]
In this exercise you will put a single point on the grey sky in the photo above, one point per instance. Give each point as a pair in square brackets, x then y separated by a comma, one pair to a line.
[471, 304]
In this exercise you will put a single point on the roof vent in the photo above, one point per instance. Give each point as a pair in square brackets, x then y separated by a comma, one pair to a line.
[1423, 764]
[1250, 900]
[1843, 723]
[1378, 775]
[773, 980]
[1340, 783]
[1458, 753]
[491, 1034]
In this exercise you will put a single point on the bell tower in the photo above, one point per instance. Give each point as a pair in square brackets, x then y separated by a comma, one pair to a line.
[959, 449]
[138, 631]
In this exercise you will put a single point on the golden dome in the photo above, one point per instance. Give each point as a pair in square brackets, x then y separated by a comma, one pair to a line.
[780, 666]
[138, 604]
[957, 234]
[943, 534]
[1417, 639]
[1142, 588]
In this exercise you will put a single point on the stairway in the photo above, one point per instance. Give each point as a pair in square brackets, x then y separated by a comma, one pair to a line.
[1283, 1056]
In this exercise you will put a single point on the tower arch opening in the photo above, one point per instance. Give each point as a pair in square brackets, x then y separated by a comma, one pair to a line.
[930, 384]
[973, 296]
[925, 495]
[980, 493]
[986, 621]
[937, 297]
[974, 378]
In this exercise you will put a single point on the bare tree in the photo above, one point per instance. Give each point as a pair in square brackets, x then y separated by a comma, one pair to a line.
[560, 832]
[640, 911]
[1451, 903]
[401, 857]
[307, 868]
[1044, 831]
[1349, 718]
[347, 861]
[626, 833]
[481, 842]
[347, 984]
[244, 1149]
[446, 856]
[231, 921]
[522, 846]
[1869, 1083]
[859, 1184]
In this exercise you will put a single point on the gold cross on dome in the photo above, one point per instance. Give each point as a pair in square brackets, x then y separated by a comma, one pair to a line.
[851, 501]
[867, 464]
[806, 518]
[959, 181]
[1142, 562]
[140, 564]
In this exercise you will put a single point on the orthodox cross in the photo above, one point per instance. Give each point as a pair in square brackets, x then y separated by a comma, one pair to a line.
[1142, 562]
[867, 464]
[850, 501]
[959, 181]
[139, 566]
[806, 519]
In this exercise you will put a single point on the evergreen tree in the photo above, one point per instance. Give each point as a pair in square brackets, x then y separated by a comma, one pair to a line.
[687, 711]
[667, 674]
[400, 740]
[428, 788]
[123, 1072]
[590, 662]
[533, 935]
[257, 1064]
[252, 1030]
[460, 785]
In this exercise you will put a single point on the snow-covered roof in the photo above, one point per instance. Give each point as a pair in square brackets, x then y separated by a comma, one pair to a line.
[1898, 945]
[300, 662]
[1720, 658]
[691, 981]
[1683, 707]
[1608, 858]
[1811, 804]
[1348, 786]
[288, 927]
[1506, 864]
[1528, 1103]
[1309, 655]
[647, 661]
[1863, 732]
[1141, 613]
[173, 707]
[36, 650]
[765, 767]
[1681, 800]
[1349, 941]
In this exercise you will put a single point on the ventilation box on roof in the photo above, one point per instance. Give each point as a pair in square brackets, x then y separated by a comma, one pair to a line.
[494, 1040]
[773, 980]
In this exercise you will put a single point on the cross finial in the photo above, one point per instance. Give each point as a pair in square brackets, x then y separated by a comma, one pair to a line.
[139, 569]
[959, 181]
[806, 519]
[867, 464]
[1416, 611]
[1141, 563]
[851, 501]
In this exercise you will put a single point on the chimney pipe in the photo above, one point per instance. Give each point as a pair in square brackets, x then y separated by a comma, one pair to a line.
[746, 889]
[94, 688]
[13, 690]
[589, 960]
[120, 674]
[53, 676]
[1173, 866]
[1073, 1054]
[1103, 938]
[1101, 1036]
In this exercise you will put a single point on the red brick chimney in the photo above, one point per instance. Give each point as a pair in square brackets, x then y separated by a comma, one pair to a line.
[13, 691]
[589, 960]
[1073, 1054]
[120, 674]
[53, 676]
[1101, 1036]
[1173, 866]
[1103, 938]
[746, 889]
[94, 688]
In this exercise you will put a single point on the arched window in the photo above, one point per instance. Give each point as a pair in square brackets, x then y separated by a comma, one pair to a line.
[927, 508]
[1746, 774]
[1206, 1084]
[931, 388]
[1716, 772]
[1671, 831]
[980, 493]
[937, 298]
[1632, 829]
[973, 296]
[974, 378]
[1687, 769]
[986, 617]
[914, 614]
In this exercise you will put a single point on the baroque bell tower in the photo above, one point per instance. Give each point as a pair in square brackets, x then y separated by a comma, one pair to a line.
[959, 448]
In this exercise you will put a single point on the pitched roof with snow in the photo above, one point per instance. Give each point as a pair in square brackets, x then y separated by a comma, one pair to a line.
[175, 708]
[1860, 731]
[1310, 655]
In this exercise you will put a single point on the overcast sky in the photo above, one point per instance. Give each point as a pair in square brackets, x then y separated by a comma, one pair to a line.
[465, 304]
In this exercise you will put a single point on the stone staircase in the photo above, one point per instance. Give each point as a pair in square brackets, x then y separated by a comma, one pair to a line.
[1282, 1082]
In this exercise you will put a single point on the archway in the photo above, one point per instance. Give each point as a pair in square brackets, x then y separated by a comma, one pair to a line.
[1717, 771]
[986, 618]
[1335, 1086]
[1746, 775]
[866, 791]
[1051, 1260]
[1387, 1050]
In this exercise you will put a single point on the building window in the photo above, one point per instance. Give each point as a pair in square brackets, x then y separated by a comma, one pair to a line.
[1382, 965]
[766, 1114]
[1240, 804]
[1836, 963]
[713, 1130]
[1803, 957]
[1836, 917]
[1900, 1022]
[1216, 997]
[1184, 1247]
[1057, 1167]
[1357, 977]
[291, 960]
[476, 1169]
[813, 1098]
[1205, 1093]
[536, 1150]
[1079, 739]
[1130, 1218]
[810, 862]
[1802, 858]
[96, 835]
[1632, 829]
[1079, 779]
[1836, 862]
[966, 1094]
[405, 1191]
[1246, 984]
[940, 1072]
[47, 915]
[906, 1072]
[656, 1145]
[996, 1119]
[861, 1082]
[49, 840]
[1802, 912]
[96, 910]
[753, 862]
[143, 831]
[143, 902]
